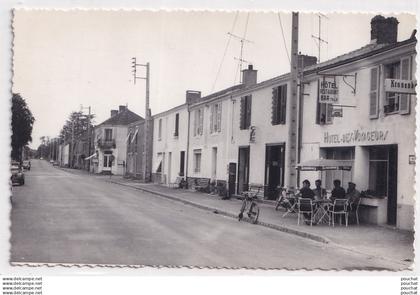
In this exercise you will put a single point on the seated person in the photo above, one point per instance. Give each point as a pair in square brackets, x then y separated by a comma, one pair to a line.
[319, 191]
[353, 195]
[338, 192]
[305, 191]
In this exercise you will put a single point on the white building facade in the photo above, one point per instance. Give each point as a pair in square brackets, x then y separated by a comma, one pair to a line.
[369, 126]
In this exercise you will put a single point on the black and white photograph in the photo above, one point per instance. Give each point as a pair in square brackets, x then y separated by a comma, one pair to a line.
[237, 140]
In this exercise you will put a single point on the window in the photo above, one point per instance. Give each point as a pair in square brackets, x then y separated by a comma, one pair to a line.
[176, 132]
[198, 122]
[108, 134]
[245, 115]
[343, 154]
[278, 109]
[323, 112]
[397, 102]
[197, 161]
[160, 130]
[216, 118]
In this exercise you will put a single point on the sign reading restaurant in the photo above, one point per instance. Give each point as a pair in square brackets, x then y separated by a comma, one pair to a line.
[328, 90]
[356, 136]
[400, 86]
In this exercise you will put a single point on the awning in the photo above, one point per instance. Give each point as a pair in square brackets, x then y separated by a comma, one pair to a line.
[324, 164]
[91, 156]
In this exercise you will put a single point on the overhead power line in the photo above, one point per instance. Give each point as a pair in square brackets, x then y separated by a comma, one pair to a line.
[284, 39]
[225, 51]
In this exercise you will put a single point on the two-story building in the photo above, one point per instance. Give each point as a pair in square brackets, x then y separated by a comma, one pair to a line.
[170, 141]
[359, 108]
[110, 142]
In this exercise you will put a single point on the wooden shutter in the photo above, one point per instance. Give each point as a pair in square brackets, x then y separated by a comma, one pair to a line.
[274, 106]
[212, 117]
[201, 121]
[405, 75]
[195, 122]
[283, 103]
[374, 93]
[219, 117]
[328, 115]
[248, 111]
[242, 113]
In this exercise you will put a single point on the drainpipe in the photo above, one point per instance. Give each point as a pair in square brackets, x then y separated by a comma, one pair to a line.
[300, 120]
[188, 146]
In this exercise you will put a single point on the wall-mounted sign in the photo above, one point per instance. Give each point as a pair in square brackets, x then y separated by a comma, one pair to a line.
[412, 159]
[328, 90]
[400, 86]
[356, 136]
[337, 112]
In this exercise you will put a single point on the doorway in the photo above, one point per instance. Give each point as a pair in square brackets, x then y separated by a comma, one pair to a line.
[107, 161]
[169, 180]
[274, 170]
[214, 163]
[243, 169]
[383, 176]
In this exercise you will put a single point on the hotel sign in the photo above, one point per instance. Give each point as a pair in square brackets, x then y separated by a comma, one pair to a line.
[400, 86]
[356, 136]
[328, 90]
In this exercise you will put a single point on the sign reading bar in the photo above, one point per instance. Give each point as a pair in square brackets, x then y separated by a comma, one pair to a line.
[400, 86]
[328, 90]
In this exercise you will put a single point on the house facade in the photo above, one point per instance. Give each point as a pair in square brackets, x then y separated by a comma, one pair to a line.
[367, 123]
[110, 142]
[170, 142]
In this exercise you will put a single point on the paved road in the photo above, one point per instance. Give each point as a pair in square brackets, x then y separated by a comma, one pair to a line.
[61, 217]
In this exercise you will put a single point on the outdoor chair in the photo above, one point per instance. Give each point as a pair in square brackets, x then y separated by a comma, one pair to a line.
[305, 206]
[339, 207]
[354, 209]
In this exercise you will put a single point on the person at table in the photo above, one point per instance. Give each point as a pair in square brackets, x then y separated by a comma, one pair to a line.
[305, 191]
[338, 192]
[353, 195]
[319, 191]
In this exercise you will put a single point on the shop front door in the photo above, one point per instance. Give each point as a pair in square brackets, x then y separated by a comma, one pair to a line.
[274, 167]
[243, 169]
[392, 184]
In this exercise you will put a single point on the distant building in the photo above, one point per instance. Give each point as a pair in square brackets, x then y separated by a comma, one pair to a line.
[110, 142]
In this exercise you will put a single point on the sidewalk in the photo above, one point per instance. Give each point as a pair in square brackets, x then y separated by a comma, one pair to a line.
[378, 241]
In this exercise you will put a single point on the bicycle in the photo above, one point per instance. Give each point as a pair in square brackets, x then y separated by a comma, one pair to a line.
[251, 205]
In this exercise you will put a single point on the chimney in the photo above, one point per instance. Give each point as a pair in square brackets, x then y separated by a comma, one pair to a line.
[306, 61]
[122, 108]
[384, 30]
[114, 112]
[192, 96]
[249, 76]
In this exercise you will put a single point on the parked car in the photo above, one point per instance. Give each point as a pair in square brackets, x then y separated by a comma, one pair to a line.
[17, 175]
[52, 162]
[26, 165]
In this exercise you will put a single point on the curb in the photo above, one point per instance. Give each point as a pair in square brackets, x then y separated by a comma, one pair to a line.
[284, 229]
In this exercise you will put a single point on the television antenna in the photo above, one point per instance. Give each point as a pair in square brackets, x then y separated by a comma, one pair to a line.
[318, 38]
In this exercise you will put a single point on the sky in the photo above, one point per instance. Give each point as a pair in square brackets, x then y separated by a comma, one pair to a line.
[63, 60]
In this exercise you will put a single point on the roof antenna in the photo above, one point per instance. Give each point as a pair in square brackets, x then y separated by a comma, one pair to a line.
[318, 38]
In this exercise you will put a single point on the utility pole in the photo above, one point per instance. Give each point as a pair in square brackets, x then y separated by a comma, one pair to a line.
[318, 38]
[146, 139]
[291, 180]
[88, 131]
[72, 143]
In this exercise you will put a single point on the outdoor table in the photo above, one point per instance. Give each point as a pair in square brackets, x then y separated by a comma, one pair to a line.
[321, 214]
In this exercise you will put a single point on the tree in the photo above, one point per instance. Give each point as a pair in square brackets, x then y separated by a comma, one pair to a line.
[76, 126]
[22, 124]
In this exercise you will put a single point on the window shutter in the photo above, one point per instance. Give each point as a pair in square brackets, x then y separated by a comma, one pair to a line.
[195, 122]
[248, 111]
[374, 93]
[212, 118]
[329, 107]
[219, 117]
[201, 122]
[274, 106]
[242, 114]
[405, 75]
[318, 108]
[283, 100]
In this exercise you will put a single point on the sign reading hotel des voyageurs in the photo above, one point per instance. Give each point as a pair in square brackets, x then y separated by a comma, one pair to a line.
[328, 90]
